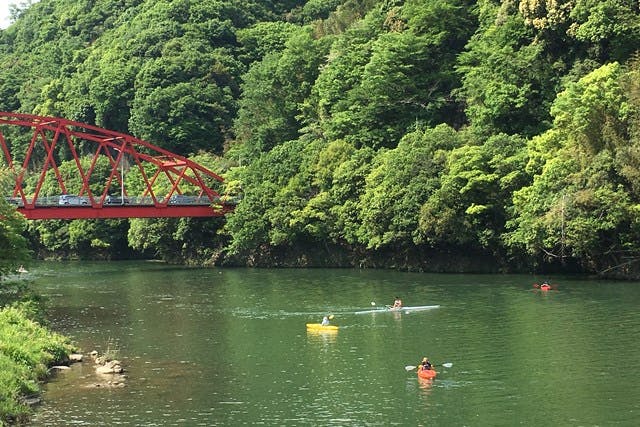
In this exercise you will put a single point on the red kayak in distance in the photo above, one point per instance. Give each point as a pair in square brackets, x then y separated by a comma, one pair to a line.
[427, 374]
[544, 287]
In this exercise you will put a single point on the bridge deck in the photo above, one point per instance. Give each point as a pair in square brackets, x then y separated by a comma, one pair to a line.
[127, 211]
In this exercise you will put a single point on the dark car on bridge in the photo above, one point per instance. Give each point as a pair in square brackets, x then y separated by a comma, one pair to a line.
[116, 200]
[182, 199]
[16, 201]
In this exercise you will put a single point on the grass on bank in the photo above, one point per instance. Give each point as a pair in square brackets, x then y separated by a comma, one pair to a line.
[27, 350]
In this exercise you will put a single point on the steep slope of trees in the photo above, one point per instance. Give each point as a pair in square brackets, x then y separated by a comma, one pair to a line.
[583, 201]
[361, 129]
[13, 246]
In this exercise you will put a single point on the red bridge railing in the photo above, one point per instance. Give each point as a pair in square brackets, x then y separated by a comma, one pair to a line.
[49, 136]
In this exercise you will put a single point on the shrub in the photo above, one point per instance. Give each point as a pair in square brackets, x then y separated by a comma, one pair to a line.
[27, 349]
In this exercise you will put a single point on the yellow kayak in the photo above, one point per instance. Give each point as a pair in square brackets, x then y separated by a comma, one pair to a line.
[320, 327]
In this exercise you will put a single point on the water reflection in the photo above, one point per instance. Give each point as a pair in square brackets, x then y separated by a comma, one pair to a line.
[425, 384]
[322, 337]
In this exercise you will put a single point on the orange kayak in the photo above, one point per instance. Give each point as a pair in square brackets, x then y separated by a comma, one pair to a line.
[427, 374]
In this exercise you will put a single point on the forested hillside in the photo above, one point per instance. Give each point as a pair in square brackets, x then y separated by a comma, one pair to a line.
[421, 134]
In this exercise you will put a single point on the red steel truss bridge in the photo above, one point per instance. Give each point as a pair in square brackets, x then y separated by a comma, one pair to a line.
[32, 147]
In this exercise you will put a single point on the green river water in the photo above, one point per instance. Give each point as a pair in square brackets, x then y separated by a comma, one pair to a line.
[229, 347]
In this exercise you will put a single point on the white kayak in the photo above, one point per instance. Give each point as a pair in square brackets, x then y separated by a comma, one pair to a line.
[399, 310]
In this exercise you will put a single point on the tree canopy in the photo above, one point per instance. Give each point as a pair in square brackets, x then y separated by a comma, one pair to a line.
[356, 132]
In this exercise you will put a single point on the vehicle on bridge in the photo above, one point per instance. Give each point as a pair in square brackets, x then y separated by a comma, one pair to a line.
[116, 200]
[15, 201]
[181, 199]
[101, 193]
[70, 199]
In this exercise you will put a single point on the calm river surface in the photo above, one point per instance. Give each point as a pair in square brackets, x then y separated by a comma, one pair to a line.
[229, 347]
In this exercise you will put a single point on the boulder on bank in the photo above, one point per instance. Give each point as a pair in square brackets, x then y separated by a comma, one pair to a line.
[59, 368]
[109, 372]
[110, 367]
[72, 358]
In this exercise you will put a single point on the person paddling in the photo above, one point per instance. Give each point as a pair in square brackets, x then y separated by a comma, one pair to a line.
[397, 304]
[425, 365]
[325, 320]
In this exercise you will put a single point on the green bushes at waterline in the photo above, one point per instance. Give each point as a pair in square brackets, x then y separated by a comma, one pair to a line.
[27, 350]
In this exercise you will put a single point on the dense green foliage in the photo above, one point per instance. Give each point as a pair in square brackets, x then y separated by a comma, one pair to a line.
[13, 246]
[27, 350]
[357, 132]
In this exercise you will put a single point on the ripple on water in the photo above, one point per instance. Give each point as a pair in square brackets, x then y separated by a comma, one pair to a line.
[518, 357]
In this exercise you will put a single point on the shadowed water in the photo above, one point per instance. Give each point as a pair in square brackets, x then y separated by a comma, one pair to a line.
[229, 347]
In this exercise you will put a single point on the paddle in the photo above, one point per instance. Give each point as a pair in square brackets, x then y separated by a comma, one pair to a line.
[388, 307]
[373, 304]
[412, 367]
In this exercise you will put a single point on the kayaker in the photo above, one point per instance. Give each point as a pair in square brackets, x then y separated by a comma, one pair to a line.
[397, 303]
[325, 319]
[425, 364]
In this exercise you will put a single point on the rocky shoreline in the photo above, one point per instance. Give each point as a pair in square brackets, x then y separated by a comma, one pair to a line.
[108, 371]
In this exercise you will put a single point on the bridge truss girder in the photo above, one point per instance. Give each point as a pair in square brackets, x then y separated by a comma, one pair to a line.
[48, 133]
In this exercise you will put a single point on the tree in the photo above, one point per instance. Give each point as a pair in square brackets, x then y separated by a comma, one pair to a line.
[394, 70]
[274, 90]
[347, 187]
[326, 109]
[176, 240]
[263, 38]
[318, 9]
[185, 98]
[471, 204]
[579, 205]
[400, 182]
[13, 245]
[611, 27]
[508, 79]
[317, 219]
[274, 187]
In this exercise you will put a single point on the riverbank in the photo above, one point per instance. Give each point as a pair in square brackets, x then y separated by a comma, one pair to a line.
[422, 259]
[27, 351]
